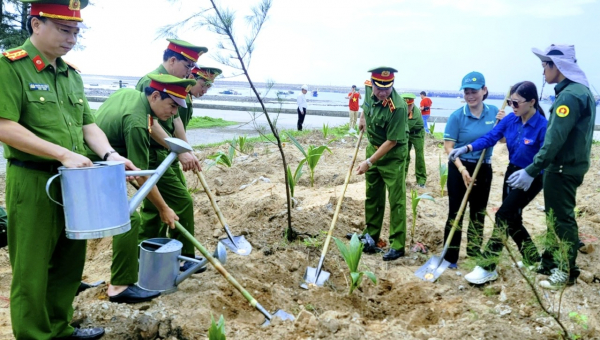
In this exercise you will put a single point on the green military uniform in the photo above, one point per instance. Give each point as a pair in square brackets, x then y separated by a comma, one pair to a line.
[565, 158]
[385, 123]
[172, 185]
[46, 266]
[124, 117]
[416, 138]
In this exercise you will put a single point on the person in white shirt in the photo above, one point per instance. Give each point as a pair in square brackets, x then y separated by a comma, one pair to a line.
[302, 104]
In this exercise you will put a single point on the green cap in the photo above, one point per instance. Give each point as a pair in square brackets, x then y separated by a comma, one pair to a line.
[473, 80]
[176, 88]
[192, 52]
[207, 73]
[383, 76]
[65, 12]
[408, 96]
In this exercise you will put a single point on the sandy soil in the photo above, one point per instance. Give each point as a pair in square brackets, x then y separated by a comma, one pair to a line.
[400, 306]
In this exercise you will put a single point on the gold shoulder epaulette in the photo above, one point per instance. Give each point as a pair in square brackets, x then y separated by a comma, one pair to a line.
[15, 54]
[72, 66]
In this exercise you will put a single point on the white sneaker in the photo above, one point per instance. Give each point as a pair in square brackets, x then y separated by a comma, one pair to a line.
[480, 276]
[556, 280]
[530, 268]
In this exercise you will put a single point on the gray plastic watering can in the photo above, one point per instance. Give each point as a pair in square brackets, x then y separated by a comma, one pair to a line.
[95, 198]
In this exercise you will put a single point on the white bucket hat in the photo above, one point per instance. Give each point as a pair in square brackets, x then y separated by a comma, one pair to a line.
[305, 87]
[563, 56]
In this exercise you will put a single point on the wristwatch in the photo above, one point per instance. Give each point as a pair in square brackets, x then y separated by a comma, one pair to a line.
[106, 155]
[369, 162]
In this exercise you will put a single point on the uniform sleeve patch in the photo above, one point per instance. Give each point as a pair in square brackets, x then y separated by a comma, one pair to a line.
[15, 55]
[562, 111]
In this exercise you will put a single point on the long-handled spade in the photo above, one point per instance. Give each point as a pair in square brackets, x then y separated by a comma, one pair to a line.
[317, 276]
[237, 244]
[436, 265]
[219, 267]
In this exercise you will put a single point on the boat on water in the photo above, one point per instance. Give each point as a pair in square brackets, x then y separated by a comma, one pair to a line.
[229, 92]
[282, 93]
[315, 93]
[291, 92]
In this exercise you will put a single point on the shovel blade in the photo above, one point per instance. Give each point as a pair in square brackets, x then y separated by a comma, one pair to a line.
[311, 279]
[432, 269]
[283, 315]
[240, 245]
[220, 253]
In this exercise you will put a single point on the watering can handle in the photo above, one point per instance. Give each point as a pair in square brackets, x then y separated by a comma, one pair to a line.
[48, 189]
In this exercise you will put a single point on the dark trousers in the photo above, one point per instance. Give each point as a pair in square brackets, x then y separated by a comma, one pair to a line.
[560, 191]
[301, 115]
[509, 221]
[478, 200]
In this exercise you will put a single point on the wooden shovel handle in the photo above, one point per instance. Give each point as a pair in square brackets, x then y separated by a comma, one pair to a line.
[211, 197]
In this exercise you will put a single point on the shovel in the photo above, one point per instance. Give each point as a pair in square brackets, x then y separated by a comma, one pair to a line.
[317, 276]
[436, 265]
[237, 244]
[283, 315]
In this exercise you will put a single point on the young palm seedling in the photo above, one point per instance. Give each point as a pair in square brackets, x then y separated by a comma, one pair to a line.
[225, 159]
[311, 156]
[443, 175]
[217, 329]
[351, 255]
[415, 199]
[292, 180]
[432, 128]
[325, 130]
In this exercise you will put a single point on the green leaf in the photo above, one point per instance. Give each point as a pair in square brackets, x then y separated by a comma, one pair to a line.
[371, 276]
[356, 278]
[298, 172]
[426, 196]
[355, 250]
[343, 249]
[217, 329]
[221, 158]
[297, 144]
[291, 181]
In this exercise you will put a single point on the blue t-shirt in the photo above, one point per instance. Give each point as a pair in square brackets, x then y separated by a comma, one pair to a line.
[463, 128]
[522, 140]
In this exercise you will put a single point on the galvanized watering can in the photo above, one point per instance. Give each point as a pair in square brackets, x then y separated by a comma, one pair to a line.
[95, 198]
[159, 264]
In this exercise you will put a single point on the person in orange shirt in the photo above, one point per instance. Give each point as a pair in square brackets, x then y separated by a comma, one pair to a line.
[354, 98]
[425, 107]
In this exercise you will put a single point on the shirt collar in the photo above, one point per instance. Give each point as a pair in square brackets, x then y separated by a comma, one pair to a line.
[39, 61]
[162, 70]
[561, 86]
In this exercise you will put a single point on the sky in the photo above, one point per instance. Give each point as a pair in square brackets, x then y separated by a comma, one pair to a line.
[432, 43]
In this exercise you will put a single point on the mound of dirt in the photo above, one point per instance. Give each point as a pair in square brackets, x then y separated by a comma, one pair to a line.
[251, 195]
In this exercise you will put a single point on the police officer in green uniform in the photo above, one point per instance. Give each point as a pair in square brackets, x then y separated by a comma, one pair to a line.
[126, 117]
[416, 138]
[178, 60]
[44, 121]
[565, 158]
[205, 78]
[384, 118]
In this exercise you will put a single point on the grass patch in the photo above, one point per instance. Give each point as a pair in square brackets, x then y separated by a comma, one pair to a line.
[261, 139]
[208, 122]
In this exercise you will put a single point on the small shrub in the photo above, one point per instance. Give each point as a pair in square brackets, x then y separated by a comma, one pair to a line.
[311, 156]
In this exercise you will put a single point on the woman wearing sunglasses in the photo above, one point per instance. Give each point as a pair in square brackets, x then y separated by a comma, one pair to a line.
[524, 130]
[464, 126]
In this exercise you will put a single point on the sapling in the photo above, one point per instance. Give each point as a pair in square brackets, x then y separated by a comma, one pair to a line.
[432, 129]
[223, 158]
[311, 156]
[217, 329]
[443, 175]
[292, 180]
[415, 199]
[351, 255]
[325, 130]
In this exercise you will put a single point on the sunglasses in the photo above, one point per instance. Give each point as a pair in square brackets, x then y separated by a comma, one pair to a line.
[514, 103]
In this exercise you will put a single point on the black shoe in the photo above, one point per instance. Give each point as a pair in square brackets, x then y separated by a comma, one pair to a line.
[393, 254]
[134, 294]
[189, 264]
[83, 286]
[87, 333]
[543, 270]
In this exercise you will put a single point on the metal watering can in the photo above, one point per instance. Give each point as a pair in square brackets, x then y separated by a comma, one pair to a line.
[95, 198]
[159, 264]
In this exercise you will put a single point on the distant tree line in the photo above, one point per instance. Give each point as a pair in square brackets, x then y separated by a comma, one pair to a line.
[13, 23]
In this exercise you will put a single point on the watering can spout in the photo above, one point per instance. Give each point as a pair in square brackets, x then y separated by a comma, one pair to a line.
[176, 146]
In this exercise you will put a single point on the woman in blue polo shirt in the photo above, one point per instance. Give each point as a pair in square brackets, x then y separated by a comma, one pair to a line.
[524, 130]
[464, 126]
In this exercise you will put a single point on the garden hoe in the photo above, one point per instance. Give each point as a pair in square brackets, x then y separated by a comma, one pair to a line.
[435, 266]
[237, 244]
[283, 315]
[317, 276]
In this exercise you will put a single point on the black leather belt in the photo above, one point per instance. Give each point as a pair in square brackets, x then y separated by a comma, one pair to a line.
[51, 167]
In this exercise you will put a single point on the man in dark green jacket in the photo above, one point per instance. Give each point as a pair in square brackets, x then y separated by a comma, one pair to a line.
[565, 158]
[416, 138]
[384, 119]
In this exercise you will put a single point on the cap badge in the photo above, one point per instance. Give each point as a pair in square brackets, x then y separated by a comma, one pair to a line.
[74, 5]
[385, 73]
[474, 79]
